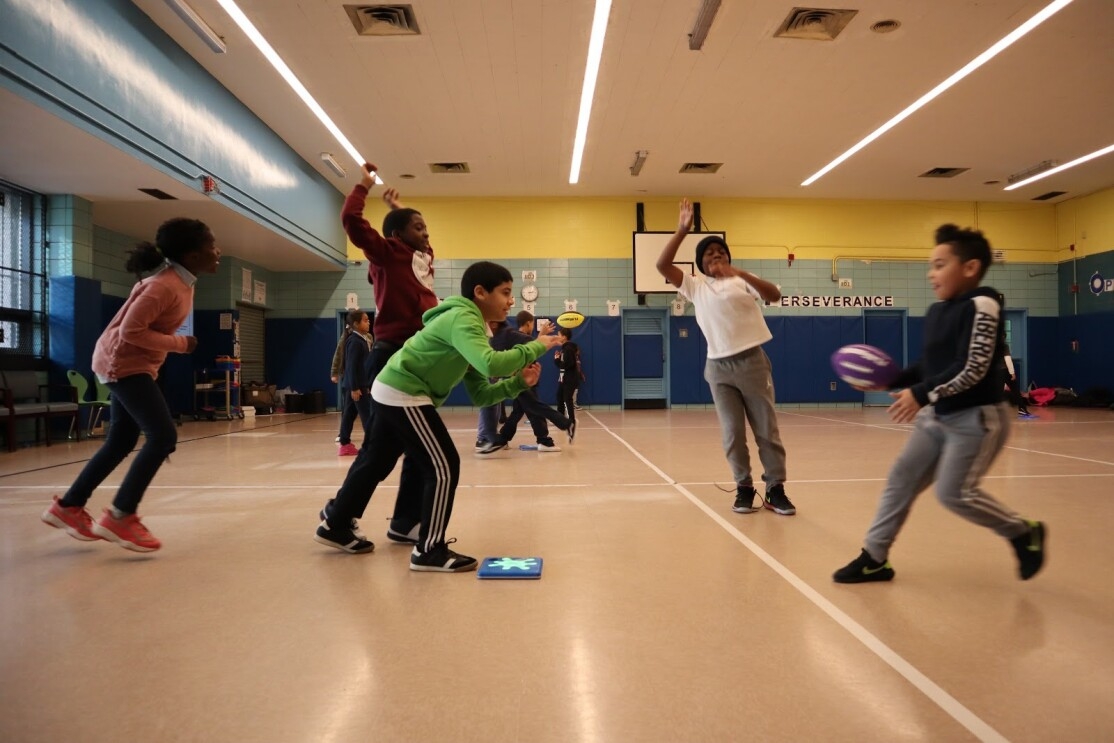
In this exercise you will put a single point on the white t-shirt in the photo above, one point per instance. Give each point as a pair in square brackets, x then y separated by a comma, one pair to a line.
[727, 312]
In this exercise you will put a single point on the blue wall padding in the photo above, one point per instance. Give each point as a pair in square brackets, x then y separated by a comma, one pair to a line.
[299, 353]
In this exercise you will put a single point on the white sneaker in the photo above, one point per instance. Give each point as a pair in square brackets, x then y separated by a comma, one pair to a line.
[548, 447]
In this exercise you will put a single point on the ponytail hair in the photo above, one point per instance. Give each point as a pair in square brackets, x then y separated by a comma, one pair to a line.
[350, 320]
[174, 239]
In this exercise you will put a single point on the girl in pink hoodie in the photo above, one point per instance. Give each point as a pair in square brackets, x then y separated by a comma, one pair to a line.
[127, 358]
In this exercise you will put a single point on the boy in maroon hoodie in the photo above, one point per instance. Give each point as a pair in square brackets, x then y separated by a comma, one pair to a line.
[400, 268]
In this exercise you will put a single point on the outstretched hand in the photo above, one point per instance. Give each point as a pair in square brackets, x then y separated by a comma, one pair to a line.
[367, 179]
[905, 406]
[549, 341]
[684, 219]
[390, 198]
[532, 373]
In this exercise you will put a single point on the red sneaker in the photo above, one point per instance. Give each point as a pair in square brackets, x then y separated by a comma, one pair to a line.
[128, 532]
[75, 520]
[347, 450]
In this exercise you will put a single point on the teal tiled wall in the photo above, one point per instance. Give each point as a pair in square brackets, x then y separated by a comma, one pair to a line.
[593, 282]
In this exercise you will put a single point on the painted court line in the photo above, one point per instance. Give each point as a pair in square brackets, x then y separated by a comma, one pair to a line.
[929, 688]
[906, 428]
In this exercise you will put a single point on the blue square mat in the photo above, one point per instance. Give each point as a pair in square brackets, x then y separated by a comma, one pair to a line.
[511, 568]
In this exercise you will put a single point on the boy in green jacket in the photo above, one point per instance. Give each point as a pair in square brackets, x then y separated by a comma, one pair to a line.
[452, 345]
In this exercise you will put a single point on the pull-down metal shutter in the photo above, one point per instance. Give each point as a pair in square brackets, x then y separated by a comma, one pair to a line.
[252, 347]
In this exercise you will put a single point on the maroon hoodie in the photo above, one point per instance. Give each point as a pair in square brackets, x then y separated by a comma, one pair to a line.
[402, 277]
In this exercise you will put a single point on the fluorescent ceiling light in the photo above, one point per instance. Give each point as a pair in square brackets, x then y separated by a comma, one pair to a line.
[272, 56]
[703, 24]
[199, 26]
[639, 160]
[1065, 166]
[1004, 43]
[591, 70]
[333, 165]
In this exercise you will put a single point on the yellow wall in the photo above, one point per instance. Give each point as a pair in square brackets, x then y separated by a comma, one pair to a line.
[601, 228]
[1087, 223]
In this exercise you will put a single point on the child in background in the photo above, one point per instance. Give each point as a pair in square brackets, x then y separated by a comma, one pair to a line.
[336, 371]
[567, 359]
[960, 423]
[127, 358]
[527, 403]
[357, 357]
[400, 268]
[453, 345]
[491, 416]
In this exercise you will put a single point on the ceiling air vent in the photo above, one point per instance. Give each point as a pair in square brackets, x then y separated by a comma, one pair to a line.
[943, 172]
[383, 20]
[159, 194]
[700, 167]
[1049, 195]
[815, 24]
[449, 168]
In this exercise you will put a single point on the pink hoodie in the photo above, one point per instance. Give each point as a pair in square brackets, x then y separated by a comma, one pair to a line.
[142, 332]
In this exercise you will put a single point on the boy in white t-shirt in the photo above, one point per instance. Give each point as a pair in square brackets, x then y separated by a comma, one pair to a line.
[738, 370]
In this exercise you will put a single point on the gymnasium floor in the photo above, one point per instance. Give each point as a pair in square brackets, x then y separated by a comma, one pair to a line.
[661, 615]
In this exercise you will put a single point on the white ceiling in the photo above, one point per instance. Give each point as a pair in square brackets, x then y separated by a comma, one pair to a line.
[496, 83]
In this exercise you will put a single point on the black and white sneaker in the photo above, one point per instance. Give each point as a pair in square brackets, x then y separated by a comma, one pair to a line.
[344, 540]
[490, 447]
[572, 431]
[480, 444]
[744, 499]
[355, 525]
[404, 537]
[777, 501]
[441, 559]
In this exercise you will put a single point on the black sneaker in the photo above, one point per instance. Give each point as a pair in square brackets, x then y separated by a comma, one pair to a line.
[777, 501]
[1030, 549]
[744, 499]
[441, 559]
[480, 443]
[355, 525]
[571, 430]
[864, 569]
[342, 539]
[490, 447]
[410, 536]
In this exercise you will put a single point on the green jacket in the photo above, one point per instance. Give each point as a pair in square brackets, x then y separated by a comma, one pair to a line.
[453, 345]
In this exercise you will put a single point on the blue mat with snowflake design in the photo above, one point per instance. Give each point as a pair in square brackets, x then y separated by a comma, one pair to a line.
[513, 568]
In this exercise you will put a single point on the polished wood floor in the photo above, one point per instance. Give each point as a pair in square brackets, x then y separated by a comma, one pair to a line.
[661, 615]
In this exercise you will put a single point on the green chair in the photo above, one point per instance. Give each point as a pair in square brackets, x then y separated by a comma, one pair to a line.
[95, 406]
[104, 397]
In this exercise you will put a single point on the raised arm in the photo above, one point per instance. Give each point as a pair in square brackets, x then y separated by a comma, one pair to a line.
[390, 198]
[665, 265]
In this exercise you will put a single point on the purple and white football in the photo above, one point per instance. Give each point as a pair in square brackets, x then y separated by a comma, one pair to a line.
[864, 367]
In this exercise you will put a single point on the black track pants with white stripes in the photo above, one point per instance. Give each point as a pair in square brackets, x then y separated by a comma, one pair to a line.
[421, 434]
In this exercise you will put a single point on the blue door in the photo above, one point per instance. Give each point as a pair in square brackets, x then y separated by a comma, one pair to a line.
[884, 329]
[1018, 339]
[644, 368]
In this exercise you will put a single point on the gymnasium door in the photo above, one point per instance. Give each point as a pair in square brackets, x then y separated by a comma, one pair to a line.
[1017, 337]
[253, 350]
[644, 368]
[885, 329]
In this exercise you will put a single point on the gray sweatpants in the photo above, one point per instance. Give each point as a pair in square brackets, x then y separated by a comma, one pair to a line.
[955, 450]
[743, 389]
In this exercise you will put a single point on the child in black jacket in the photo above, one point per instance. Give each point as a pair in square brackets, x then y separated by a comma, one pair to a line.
[960, 422]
